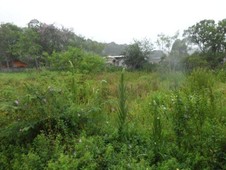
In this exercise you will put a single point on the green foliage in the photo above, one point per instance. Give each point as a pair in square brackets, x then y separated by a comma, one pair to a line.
[165, 42]
[33, 44]
[69, 120]
[210, 38]
[123, 110]
[208, 35]
[28, 47]
[82, 61]
[91, 64]
[137, 53]
[195, 61]
[9, 35]
[157, 135]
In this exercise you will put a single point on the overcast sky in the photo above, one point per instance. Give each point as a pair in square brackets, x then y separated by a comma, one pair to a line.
[120, 21]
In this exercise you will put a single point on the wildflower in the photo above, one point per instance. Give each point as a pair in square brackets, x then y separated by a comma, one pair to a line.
[163, 107]
[44, 100]
[104, 81]
[155, 103]
[186, 116]
[16, 102]
[74, 153]
[50, 88]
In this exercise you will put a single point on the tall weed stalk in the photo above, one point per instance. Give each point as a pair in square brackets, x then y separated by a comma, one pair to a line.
[157, 131]
[122, 106]
[73, 86]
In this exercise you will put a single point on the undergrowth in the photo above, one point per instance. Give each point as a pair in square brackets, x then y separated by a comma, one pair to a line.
[117, 120]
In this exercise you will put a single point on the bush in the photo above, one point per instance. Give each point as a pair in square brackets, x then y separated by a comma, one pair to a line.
[82, 61]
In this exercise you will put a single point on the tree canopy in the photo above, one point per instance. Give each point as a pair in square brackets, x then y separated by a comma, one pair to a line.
[37, 40]
[210, 37]
[137, 53]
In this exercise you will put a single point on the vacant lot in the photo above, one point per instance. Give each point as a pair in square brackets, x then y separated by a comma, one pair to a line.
[113, 120]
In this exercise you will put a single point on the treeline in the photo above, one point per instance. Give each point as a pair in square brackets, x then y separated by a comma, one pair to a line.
[202, 45]
[34, 43]
[41, 44]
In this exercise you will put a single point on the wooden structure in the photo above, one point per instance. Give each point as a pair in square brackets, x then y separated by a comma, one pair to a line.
[13, 64]
[18, 64]
[116, 60]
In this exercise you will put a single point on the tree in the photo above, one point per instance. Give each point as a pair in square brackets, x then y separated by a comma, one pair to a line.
[164, 42]
[9, 35]
[221, 29]
[210, 38]
[28, 46]
[52, 38]
[137, 53]
[194, 61]
[93, 46]
[177, 54]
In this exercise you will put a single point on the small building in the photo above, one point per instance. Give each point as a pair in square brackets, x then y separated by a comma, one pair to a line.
[14, 64]
[18, 64]
[116, 60]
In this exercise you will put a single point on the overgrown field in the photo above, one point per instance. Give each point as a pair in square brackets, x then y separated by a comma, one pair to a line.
[113, 120]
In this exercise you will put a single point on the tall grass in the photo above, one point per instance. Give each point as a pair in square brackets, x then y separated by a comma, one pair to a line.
[55, 120]
[157, 135]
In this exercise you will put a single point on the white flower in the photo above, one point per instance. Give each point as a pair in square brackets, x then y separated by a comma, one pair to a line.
[16, 102]
[104, 81]
[163, 107]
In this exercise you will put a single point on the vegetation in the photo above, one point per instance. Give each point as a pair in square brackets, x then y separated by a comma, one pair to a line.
[203, 45]
[210, 38]
[136, 54]
[112, 120]
[74, 112]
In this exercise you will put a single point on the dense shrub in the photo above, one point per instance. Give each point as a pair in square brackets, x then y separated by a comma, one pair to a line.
[82, 61]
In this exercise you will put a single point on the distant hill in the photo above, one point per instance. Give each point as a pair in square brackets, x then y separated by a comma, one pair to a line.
[113, 49]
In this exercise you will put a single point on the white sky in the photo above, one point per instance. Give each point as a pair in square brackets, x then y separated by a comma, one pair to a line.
[120, 21]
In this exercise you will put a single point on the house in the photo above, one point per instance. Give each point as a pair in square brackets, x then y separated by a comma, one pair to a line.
[14, 64]
[18, 64]
[115, 60]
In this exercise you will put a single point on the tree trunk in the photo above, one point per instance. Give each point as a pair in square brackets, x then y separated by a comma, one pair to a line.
[36, 63]
[7, 63]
